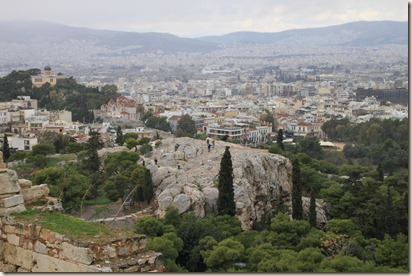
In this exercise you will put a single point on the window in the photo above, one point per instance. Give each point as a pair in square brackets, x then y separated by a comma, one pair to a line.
[26, 142]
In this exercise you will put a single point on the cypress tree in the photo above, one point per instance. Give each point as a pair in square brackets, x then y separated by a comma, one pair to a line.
[225, 201]
[147, 186]
[6, 148]
[279, 139]
[92, 163]
[119, 136]
[380, 172]
[312, 210]
[297, 209]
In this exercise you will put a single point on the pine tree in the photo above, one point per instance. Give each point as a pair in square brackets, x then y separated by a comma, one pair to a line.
[225, 201]
[312, 210]
[279, 139]
[6, 148]
[297, 209]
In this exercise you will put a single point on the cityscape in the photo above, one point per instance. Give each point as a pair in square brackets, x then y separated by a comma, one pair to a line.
[246, 151]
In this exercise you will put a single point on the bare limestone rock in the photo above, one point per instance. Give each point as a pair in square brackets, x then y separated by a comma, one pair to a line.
[187, 176]
[9, 182]
[35, 192]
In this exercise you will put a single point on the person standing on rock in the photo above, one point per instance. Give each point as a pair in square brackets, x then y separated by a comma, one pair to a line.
[155, 161]
[209, 146]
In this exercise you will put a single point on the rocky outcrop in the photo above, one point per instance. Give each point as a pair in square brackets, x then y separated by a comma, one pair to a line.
[186, 177]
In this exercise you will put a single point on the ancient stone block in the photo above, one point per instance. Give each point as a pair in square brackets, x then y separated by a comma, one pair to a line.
[11, 201]
[13, 239]
[77, 254]
[44, 263]
[25, 184]
[7, 268]
[35, 193]
[40, 248]
[9, 182]
[15, 209]
[19, 256]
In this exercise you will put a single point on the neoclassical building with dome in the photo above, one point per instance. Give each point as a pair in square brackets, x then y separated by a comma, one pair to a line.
[46, 77]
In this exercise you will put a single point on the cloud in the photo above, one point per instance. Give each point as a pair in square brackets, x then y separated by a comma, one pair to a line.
[206, 17]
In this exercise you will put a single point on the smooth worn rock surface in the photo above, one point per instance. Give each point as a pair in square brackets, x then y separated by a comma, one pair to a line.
[11, 201]
[259, 177]
[9, 182]
[35, 192]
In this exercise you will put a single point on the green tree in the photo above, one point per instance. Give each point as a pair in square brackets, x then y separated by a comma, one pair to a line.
[74, 147]
[186, 127]
[131, 143]
[172, 216]
[92, 163]
[119, 136]
[311, 146]
[145, 148]
[286, 233]
[279, 139]
[43, 149]
[158, 122]
[312, 210]
[224, 255]
[39, 160]
[297, 208]
[60, 143]
[6, 148]
[225, 201]
[393, 252]
[148, 185]
[149, 226]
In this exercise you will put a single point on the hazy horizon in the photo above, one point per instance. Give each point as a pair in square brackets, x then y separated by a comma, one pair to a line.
[206, 18]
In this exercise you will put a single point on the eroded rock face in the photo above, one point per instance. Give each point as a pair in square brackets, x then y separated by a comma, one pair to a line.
[186, 177]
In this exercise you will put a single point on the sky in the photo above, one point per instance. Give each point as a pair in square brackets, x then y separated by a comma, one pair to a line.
[195, 18]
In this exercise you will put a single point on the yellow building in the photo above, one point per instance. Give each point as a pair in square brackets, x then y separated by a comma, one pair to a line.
[46, 77]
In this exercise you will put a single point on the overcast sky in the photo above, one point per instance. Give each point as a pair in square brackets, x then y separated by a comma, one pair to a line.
[194, 18]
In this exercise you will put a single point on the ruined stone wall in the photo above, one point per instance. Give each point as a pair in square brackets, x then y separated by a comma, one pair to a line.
[26, 247]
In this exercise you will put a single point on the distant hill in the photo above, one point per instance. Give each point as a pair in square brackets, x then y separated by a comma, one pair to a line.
[355, 34]
[43, 32]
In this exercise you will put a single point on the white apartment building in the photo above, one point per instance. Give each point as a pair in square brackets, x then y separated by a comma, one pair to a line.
[22, 143]
[4, 116]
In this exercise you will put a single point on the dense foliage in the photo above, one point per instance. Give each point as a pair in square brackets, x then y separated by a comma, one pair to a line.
[217, 244]
[186, 127]
[67, 94]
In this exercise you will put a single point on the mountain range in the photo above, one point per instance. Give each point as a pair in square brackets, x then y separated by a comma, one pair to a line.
[362, 33]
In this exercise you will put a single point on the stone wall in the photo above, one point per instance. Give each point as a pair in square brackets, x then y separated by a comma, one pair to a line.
[28, 247]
